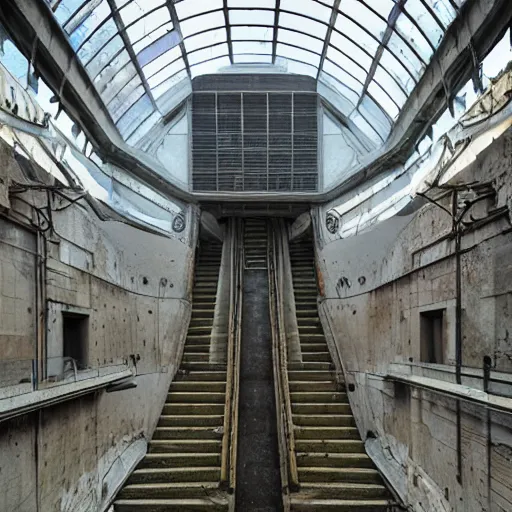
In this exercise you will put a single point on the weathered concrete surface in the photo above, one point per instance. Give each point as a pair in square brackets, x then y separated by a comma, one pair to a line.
[133, 285]
[376, 286]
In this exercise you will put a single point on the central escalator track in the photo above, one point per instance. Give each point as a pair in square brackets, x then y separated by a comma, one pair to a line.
[258, 470]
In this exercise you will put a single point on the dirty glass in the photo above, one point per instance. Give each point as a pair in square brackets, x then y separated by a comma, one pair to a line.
[363, 50]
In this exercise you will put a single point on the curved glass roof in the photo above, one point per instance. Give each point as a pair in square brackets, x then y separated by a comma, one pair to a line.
[370, 54]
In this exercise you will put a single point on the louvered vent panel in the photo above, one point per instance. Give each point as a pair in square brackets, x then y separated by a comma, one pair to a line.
[255, 142]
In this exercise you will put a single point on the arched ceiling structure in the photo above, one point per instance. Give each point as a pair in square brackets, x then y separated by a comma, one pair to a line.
[366, 55]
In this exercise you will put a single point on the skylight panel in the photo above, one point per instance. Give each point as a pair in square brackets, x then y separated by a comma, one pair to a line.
[380, 121]
[430, 27]
[104, 56]
[387, 83]
[406, 28]
[151, 38]
[129, 101]
[383, 99]
[302, 40]
[382, 7]
[409, 59]
[252, 33]
[110, 71]
[257, 4]
[166, 73]
[188, 8]
[345, 63]
[82, 25]
[366, 128]
[159, 47]
[355, 33]
[208, 53]
[397, 70]
[202, 23]
[308, 8]
[66, 9]
[137, 9]
[302, 24]
[298, 54]
[169, 84]
[252, 59]
[148, 24]
[348, 47]
[300, 68]
[252, 47]
[122, 84]
[97, 41]
[251, 17]
[133, 117]
[161, 62]
[205, 39]
[209, 67]
[123, 95]
[342, 76]
[363, 16]
[444, 11]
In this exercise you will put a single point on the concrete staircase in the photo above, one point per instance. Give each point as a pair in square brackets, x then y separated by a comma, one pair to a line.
[334, 471]
[181, 471]
[255, 243]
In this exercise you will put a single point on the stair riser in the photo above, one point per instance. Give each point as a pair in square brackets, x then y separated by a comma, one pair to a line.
[345, 476]
[166, 476]
[329, 446]
[324, 461]
[176, 461]
[184, 446]
[187, 433]
[191, 421]
[321, 433]
[324, 421]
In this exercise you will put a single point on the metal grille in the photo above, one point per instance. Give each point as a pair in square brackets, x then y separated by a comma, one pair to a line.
[255, 142]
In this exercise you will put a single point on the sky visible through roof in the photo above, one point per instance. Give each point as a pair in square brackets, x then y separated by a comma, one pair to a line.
[371, 53]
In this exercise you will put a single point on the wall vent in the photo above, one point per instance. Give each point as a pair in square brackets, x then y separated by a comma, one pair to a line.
[255, 142]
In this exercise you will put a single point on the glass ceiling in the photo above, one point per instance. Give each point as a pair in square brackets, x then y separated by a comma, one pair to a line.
[368, 53]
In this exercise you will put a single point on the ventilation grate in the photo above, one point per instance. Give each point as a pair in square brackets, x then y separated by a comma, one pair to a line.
[255, 142]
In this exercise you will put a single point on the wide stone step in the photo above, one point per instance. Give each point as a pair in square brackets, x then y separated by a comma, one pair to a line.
[188, 433]
[324, 357]
[326, 432]
[202, 367]
[314, 347]
[334, 460]
[216, 397]
[329, 408]
[193, 409]
[196, 330]
[185, 445]
[195, 358]
[197, 322]
[307, 505]
[192, 348]
[322, 397]
[180, 460]
[308, 375]
[171, 505]
[183, 490]
[314, 366]
[201, 375]
[329, 445]
[198, 385]
[346, 491]
[191, 420]
[324, 420]
[163, 475]
[313, 385]
[345, 475]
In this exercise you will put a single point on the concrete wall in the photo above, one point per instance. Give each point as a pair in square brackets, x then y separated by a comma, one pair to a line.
[376, 286]
[134, 287]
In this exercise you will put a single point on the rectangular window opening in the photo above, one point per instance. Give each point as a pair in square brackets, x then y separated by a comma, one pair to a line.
[76, 338]
[432, 336]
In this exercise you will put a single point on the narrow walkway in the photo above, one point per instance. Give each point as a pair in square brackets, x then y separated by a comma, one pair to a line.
[258, 473]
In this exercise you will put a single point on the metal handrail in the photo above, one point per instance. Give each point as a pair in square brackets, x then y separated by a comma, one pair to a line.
[229, 438]
[283, 384]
